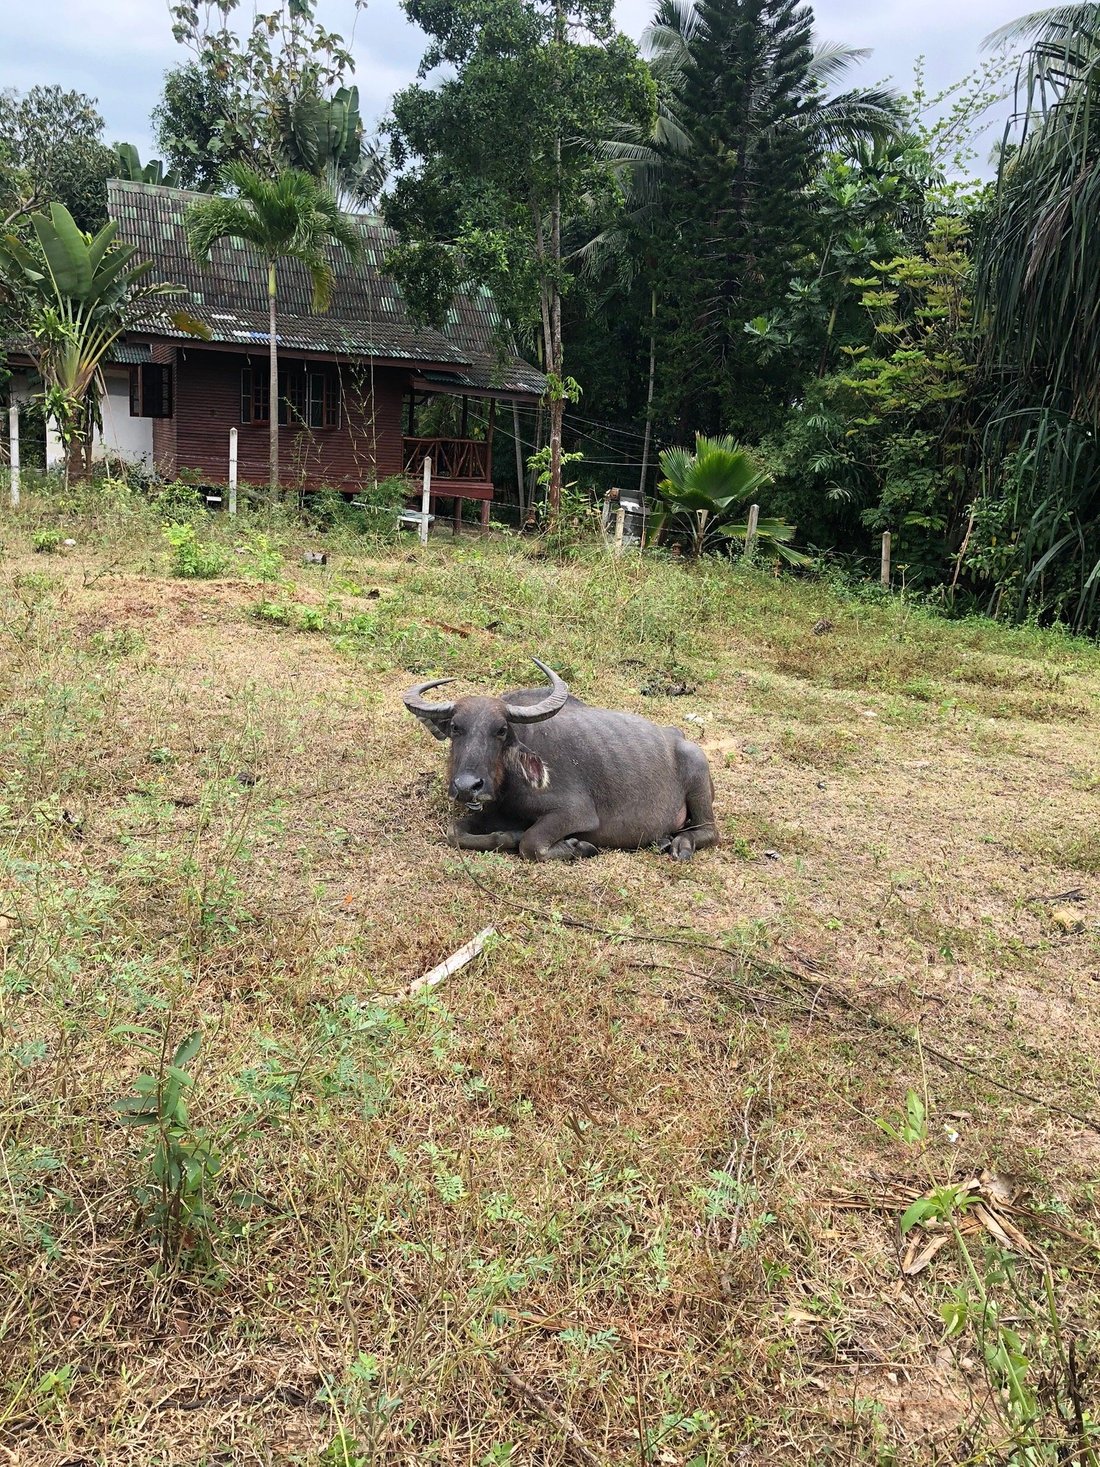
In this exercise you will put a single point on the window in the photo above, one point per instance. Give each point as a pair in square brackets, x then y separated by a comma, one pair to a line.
[292, 397]
[255, 396]
[324, 400]
[151, 390]
[306, 399]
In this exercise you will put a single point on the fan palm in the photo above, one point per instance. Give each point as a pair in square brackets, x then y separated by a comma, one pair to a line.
[290, 217]
[707, 485]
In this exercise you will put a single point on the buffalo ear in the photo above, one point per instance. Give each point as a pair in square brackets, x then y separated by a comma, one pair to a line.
[437, 724]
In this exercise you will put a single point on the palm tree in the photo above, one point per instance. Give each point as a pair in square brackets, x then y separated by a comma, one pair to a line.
[1039, 283]
[646, 162]
[707, 485]
[290, 217]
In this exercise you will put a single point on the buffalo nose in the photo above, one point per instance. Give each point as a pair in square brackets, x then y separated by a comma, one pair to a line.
[466, 786]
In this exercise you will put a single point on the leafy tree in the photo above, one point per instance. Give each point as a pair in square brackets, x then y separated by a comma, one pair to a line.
[52, 151]
[868, 207]
[190, 122]
[77, 294]
[706, 486]
[495, 158]
[890, 442]
[291, 217]
[275, 97]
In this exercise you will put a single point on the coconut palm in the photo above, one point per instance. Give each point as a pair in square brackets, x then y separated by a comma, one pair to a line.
[290, 217]
[708, 485]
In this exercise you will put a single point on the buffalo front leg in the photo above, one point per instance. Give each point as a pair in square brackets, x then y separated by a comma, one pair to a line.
[469, 833]
[557, 836]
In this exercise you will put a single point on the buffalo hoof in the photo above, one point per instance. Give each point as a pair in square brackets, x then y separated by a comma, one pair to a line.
[680, 848]
[583, 850]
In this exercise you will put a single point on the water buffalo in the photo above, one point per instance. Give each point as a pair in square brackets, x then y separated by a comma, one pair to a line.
[539, 772]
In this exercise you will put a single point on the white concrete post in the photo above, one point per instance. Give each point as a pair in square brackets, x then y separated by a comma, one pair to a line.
[232, 471]
[620, 526]
[13, 425]
[750, 533]
[425, 501]
[885, 575]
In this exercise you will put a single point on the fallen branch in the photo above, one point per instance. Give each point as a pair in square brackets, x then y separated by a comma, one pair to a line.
[576, 1443]
[457, 960]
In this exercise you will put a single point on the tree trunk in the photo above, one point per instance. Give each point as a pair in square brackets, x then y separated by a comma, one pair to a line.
[649, 393]
[519, 458]
[273, 386]
[557, 397]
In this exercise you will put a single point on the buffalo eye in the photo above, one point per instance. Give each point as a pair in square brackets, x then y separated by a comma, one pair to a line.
[456, 732]
[502, 732]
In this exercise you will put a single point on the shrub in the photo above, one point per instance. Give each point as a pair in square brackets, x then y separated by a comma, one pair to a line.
[176, 501]
[372, 512]
[46, 542]
[190, 558]
[379, 504]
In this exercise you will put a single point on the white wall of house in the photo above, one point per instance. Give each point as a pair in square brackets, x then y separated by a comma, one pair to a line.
[123, 436]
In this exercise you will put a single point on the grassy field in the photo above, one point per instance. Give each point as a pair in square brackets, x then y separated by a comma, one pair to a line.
[617, 1192]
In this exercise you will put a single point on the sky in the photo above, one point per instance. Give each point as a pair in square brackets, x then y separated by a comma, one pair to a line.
[118, 50]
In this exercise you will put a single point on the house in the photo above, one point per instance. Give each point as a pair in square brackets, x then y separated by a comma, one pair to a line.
[365, 393]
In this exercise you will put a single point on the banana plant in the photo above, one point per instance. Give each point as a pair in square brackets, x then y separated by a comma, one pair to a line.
[323, 136]
[131, 167]
[707, 486]
[79, 293]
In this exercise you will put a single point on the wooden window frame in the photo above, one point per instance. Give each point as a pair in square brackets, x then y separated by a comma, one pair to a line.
[254, 397]
[152, 393]
[323, 400]
[309, 398]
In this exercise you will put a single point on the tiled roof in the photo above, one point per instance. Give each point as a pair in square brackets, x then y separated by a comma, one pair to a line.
[367, 318]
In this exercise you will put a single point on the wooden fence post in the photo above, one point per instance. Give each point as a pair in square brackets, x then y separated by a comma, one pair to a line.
[620, 526]
[750, 532]
[232, 471]
[13, 425]
[886, 559]
[425, 501]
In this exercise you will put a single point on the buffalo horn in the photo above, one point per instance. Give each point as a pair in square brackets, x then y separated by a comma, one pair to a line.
[549, 705]
[416, 703]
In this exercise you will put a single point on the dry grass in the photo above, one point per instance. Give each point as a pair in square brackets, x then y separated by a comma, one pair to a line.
[588, 1197]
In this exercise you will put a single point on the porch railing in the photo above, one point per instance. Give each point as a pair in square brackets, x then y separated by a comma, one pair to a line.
[452, 458]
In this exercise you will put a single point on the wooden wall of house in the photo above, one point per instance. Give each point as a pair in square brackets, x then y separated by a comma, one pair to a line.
[164, 429]
[366, 445]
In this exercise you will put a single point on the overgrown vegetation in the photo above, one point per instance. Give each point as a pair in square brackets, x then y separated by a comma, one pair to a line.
[619, 1187]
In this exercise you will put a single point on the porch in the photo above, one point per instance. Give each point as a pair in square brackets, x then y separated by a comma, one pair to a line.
[462, 465]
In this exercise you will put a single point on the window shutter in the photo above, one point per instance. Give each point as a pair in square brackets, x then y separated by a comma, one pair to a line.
[151, 390]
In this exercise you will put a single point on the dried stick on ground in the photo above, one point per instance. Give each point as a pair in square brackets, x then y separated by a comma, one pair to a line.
[575, 1442]
[457, 960]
